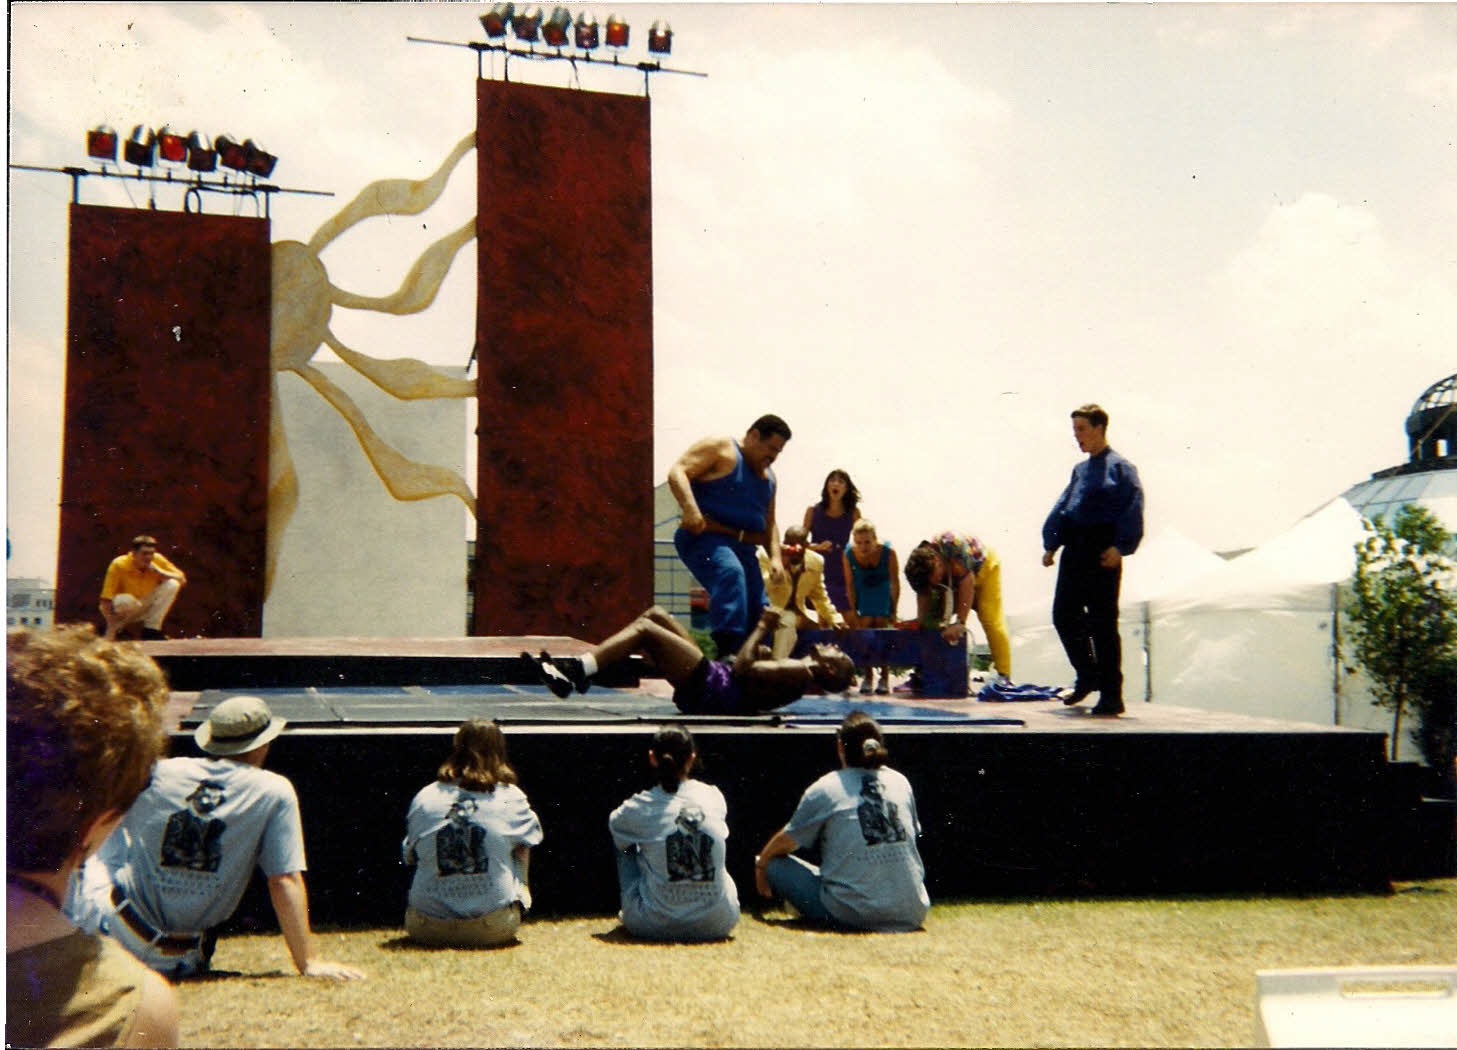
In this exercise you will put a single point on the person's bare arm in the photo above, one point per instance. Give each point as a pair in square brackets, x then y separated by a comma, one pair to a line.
[895, 584]
[703, 461]
[851, 616]
[747, 654]
[291, 905]
[780, 844]
[965, 599]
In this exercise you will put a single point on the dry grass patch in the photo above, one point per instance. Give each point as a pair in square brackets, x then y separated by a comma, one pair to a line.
[1158, 972]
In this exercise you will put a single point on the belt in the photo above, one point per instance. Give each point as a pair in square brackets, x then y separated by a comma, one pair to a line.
[126, 911]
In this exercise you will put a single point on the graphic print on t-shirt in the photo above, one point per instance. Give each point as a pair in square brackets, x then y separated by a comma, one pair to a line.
[192, 838]
[460, 848]
[690, 850]
[880, 819]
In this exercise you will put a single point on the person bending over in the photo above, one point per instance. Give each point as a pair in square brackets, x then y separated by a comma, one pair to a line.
[670, 850]
[750, 682]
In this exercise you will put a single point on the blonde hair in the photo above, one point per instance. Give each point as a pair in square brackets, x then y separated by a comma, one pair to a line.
[83, 729]
[864, 525]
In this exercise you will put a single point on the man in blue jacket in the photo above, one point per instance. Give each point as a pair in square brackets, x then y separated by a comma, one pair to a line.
[1098, 521]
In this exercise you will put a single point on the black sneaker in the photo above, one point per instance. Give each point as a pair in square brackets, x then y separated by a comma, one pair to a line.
[554, 675]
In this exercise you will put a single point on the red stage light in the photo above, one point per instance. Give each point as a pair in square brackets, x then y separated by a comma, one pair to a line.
[660, 38]
[616, 32]
[588, 37]
[101, 143]
[141, 148]
[171, 146]
[526, 25]
[200, 154]
[558, 28]
[257, 160]
[495, 20]
[231, 153]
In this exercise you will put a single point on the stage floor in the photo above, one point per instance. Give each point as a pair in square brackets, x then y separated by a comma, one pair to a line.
[1019, 798]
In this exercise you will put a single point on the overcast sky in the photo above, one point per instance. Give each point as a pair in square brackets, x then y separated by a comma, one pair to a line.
[922, 234]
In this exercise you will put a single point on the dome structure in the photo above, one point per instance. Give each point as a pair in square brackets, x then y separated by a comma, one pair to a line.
[1429, 477]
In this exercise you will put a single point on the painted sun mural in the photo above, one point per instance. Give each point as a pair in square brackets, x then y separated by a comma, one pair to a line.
[303, 302]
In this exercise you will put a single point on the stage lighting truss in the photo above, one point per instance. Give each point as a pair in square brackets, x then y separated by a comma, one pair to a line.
[566, 39]
[195, 151]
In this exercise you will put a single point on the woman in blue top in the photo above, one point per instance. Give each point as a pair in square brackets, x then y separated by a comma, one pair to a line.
[862, 819]
[469, 836]
[872, 570]
[670, 850]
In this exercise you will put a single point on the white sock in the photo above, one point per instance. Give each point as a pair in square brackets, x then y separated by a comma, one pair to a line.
[589, 665]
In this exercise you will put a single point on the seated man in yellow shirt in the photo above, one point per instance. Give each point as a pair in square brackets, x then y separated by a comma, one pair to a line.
[800, 589]
[140, 587]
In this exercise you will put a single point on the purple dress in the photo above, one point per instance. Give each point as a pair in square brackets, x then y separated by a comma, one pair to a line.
[822, 527]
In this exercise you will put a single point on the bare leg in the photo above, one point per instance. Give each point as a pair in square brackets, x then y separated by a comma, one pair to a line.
[662, 638]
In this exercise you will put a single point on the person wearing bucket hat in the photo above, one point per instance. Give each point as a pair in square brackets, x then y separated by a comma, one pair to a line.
[181, 860]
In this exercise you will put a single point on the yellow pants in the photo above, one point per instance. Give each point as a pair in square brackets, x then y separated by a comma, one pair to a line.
[988, 606]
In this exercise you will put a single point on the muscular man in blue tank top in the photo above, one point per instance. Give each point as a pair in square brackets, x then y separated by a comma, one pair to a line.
[725, 489]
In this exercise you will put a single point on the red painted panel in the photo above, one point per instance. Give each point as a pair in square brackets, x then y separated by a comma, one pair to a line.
[167, 402]
[564, 330]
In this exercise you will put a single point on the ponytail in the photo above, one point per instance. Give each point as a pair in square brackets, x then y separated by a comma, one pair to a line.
[673, 749]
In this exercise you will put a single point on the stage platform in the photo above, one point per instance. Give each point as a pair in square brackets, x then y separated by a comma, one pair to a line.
[1021, 798]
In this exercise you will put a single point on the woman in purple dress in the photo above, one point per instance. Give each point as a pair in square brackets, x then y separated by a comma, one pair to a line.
[829, 523]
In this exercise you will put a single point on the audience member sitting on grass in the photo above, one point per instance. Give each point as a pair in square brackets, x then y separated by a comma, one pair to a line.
[748, 683]
[862, 820]
[83, 728]
[469, 837]
[670, 850]
[178, 864]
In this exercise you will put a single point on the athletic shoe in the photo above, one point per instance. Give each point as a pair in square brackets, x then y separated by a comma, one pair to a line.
[551, 675]
[1103, 709]
[911, 686]
[867, 685]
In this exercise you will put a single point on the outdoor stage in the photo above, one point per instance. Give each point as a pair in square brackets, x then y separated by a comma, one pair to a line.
[1015, 799]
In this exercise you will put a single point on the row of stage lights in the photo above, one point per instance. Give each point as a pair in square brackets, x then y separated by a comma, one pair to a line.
[559, 30]
[144, 148]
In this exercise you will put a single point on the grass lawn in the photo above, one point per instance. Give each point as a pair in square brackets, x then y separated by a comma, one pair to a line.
[1173, 971]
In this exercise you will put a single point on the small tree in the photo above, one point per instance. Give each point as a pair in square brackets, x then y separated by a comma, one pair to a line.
[1403, 608]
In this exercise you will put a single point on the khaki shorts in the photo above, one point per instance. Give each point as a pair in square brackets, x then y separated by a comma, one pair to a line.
[484, 931]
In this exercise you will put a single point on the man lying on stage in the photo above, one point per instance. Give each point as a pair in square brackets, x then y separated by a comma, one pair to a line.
[748, 683]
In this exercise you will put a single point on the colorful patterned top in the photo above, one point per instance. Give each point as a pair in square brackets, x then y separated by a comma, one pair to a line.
[960, 549]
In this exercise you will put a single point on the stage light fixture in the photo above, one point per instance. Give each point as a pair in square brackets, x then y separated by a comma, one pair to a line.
[616, 32]
[526, 25]
[495, 20]
[200, 154]
[558, 28]
[171, 146]
[231, 153]
[660, 38]
[588, 36]
[141, 148]
[101, 143]
[257, 160]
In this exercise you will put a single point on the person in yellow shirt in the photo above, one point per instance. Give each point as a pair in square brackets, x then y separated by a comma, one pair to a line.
[140, 587]
[799, 589]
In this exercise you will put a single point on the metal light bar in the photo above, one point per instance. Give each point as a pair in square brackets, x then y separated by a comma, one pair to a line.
[645, 68]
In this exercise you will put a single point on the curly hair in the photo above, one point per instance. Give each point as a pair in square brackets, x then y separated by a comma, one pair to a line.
[919, 567]
[83, 729]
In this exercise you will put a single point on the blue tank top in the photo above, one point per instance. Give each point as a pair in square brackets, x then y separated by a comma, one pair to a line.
[872, 584]
[739, 499]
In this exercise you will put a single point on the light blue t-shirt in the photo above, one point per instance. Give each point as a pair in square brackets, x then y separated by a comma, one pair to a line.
[187, 848]
[685, 892]
[460, 842]
[864, 823]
